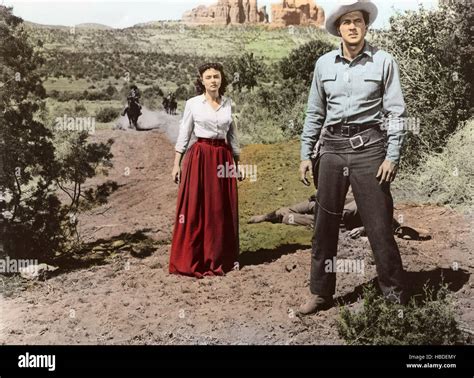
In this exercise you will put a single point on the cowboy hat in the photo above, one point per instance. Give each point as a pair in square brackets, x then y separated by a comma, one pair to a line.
[346, 6]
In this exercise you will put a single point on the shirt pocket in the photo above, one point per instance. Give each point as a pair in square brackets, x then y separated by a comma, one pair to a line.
[329, 82]
[372, 85]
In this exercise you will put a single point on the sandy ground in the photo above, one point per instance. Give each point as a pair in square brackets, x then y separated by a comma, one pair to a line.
[133, 300]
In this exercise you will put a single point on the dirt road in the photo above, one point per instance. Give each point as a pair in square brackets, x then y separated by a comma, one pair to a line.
[133, 300]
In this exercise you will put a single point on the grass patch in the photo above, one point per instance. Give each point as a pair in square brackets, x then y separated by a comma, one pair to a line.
[277, 185]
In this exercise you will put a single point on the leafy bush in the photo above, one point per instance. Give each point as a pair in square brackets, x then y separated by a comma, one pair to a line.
[153, 92]
[299, 65]
[107, 114]
[445, 177]
[247, 70]
[111, 91]
[98, 95]
[433, 49]
[34, 223]
[80, 109]
[383, 323]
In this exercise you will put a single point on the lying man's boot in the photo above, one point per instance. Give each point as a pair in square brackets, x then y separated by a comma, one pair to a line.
[410, 233]
[315, 304]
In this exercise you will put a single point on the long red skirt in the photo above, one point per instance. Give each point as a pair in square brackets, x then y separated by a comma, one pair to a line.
[206, 236]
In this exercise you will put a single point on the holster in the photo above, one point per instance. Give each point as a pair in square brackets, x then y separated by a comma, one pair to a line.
[315, 157]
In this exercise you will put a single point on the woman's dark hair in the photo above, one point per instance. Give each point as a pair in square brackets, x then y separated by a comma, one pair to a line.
[200, 89]
[133, 86]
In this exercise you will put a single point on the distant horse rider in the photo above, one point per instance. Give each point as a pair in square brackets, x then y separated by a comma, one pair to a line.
[169, 103]
[133, 96]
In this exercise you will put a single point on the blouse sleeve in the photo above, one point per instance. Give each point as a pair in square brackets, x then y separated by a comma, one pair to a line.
[233, 139]
[186, 127]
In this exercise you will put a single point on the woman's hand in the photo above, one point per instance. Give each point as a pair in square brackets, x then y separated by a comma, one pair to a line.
[241, 173]
[176, 173]
[238, 169]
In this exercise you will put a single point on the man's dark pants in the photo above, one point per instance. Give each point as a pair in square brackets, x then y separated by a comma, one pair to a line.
[341, 166]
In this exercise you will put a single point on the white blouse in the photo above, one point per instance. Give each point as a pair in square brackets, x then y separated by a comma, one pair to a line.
[202, 121]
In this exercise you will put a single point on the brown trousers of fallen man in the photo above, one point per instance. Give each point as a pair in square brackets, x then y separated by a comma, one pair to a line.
[302, 214]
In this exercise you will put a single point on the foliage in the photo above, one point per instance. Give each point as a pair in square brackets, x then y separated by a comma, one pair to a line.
[107, 114]
[434, 52]
[380, 322]
[247, 71]
[446, 177]
[35, 222]
[299, 64]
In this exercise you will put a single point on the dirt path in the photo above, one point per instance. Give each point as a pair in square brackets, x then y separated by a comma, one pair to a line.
[134, 300]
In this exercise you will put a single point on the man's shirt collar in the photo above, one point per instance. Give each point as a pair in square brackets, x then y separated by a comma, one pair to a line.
[367, 50]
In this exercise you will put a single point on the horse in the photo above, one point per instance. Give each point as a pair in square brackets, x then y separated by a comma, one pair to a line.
[172, 106]
[133, 112]
[165, 104]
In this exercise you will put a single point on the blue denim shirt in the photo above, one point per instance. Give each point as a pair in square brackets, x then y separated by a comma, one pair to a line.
[364, 91]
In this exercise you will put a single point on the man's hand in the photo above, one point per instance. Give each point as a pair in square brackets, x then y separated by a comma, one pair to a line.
[387, 171]
[305, 167]
[357, 232]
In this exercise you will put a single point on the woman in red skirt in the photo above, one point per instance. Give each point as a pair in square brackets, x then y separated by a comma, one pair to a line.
[206, 236]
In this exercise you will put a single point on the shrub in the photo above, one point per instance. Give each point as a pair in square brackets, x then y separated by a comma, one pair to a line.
[299, 65]
[246, 71]
[432, 322]
[433, 50]
[153, 92]
[80, 109]
[111, 91]
[107, 114]
[446, 177]
[35, 224]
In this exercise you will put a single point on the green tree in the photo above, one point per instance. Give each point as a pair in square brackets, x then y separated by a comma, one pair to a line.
[299, 65]
[35, 223]
[434, 51]
[247, 70]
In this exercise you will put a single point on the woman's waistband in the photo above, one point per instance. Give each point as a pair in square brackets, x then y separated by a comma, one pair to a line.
[212, 141]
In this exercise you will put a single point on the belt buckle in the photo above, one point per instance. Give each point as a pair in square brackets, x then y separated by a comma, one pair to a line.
[357, 137]
[346, 127]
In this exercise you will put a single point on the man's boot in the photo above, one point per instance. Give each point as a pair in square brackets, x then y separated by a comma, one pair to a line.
[315, 304]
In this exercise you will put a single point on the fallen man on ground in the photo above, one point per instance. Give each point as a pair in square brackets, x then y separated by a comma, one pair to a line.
[302, 214]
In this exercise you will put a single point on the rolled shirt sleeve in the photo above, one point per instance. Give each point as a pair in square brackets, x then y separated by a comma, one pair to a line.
[363, 91]
[394, 109]
[186, 127]
[232, 138]
[315, 115]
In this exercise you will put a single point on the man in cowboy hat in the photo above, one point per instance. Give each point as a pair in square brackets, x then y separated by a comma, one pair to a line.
[355, 94]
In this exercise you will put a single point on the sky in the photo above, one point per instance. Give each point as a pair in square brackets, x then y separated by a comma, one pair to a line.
[120, 14]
